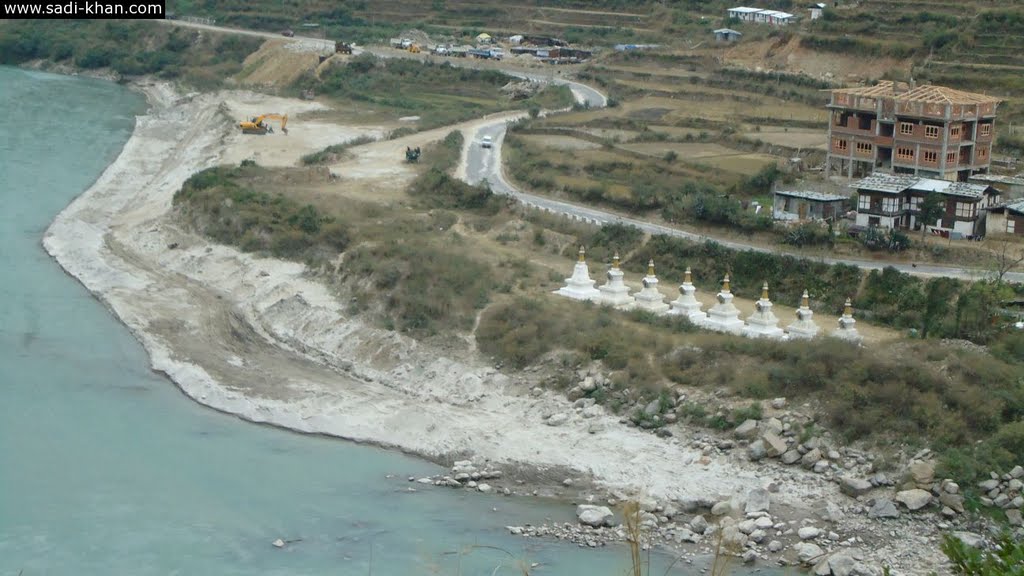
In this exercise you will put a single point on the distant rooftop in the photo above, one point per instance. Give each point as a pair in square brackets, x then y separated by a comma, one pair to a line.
[811, 195]
[926, 93]
[1015, 206]
[893, 184]
[1012, 180]
[728, 31]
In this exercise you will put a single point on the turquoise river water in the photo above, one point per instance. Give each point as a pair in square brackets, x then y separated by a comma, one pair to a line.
[107, 469]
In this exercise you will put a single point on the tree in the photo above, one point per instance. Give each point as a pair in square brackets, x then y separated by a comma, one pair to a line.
[939, 296]
[1005, 259]
[932, 208]
[1006, 559]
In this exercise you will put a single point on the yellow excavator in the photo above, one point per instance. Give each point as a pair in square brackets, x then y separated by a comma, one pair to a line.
[258, 125]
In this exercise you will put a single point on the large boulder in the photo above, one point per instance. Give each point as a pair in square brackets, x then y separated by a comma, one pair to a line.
[810, 458]
[953, 501]
[773, 444]
[596, 516]
[842, 563]
[922, 472]
[756, 451]
[732, 538]
[854, 486]
[791, 457]
[698, 524]
[1014, 517]
[914, 499]
[970, 539]
[884, 508]
[557, 419]
[747, 430]
[808, 533]
[758, 500]
[807, 552]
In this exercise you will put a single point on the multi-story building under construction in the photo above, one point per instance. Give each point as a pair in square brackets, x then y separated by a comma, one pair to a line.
[927, 131]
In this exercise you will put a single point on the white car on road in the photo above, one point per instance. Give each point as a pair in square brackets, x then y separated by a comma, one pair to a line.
[487, 141]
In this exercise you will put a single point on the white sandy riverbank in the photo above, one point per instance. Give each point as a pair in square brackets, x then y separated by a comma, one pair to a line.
[258, 338]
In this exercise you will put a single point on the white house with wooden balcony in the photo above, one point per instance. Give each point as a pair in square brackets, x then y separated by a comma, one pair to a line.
[894, 201]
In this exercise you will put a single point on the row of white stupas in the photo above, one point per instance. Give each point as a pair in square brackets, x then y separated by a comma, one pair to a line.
[723, 316]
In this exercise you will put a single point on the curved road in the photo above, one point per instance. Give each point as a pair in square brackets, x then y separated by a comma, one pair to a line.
[485, 164]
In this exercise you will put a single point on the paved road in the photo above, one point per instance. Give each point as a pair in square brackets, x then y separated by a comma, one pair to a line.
[485, 164]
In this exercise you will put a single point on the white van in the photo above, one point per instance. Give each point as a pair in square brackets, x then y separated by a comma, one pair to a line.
[486, 141]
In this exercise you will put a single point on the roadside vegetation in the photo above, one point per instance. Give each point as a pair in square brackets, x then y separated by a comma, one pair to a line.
[128, 48]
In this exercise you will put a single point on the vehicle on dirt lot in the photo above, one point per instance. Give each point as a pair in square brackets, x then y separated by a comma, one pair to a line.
[486, 142]
[288, 33]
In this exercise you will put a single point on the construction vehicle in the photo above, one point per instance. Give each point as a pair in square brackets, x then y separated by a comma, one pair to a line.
[259, 125]
[414, 48]
[412, 155]
[342, 48]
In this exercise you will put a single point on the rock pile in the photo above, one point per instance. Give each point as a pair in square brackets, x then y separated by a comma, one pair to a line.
[1005, 491]
[465, 475]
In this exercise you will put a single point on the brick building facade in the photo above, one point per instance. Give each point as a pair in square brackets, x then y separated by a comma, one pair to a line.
[924, 131]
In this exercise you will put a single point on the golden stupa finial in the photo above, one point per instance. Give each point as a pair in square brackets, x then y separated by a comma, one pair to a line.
[764, 291]
[805, 301]
[687, 276]
[583, 254]
[650, 267]
[615, 261]
[725, 283]
[848, 308]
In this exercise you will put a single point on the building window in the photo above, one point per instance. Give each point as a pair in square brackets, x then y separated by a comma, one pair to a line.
[965, 209]
[1010, 225]
[954, 131]
[864, 147]
[906, 128]
[905, 153]
[931, 131]
[982, 152]
[841, 144]
[864, 202]
[890, 204]
[950, 157]
[985, 129]
[915, 202]
[931, 156]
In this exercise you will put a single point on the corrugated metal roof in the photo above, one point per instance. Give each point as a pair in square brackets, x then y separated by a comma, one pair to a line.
[887, 183]
[893, 184]
[744, 9]
[926, 93]
[965, 190]
[728, 31]
[1016, 206]
[811, 195]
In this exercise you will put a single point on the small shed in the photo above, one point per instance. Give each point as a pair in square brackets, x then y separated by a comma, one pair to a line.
[515, 40]
[483, 38]
[817, 10]
[798, 205]
[1005, 219]
[727, 35]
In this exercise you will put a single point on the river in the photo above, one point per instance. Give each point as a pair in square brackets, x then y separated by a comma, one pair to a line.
[107, 469]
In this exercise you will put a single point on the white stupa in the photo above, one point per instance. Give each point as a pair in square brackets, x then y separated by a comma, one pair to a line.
[615, 292]
[804, 326]
[724, 316]
[687, 304]
[650, 298]
[581, 285]
[847, 325]
[763, 323]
